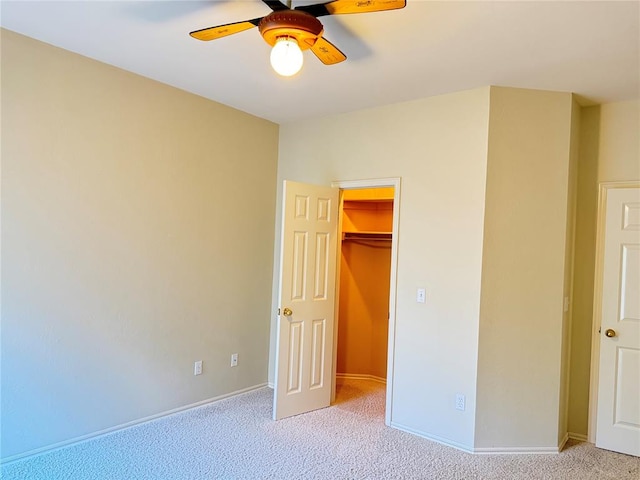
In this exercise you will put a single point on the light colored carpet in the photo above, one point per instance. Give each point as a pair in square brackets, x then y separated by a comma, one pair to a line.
[236, 439]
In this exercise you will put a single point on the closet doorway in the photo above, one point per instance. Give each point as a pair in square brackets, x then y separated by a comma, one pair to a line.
[365, 306]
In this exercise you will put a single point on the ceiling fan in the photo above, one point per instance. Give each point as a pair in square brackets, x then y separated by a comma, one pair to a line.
[290, 31]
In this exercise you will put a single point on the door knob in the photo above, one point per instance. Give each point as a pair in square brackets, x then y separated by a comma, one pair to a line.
[609, 332]
[287, 312]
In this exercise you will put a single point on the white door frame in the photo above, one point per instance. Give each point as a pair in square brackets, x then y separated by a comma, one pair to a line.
[597, 303]
[375, 183]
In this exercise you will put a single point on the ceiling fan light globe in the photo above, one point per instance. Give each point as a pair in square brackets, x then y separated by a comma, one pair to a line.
[286, 57]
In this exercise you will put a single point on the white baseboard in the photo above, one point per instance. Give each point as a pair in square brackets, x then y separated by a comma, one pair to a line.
[578, 437]
[433, 438]
[523, 450]
[358, 376]
[108, 431]
[517, 451]
[563, 442]
[483, 451]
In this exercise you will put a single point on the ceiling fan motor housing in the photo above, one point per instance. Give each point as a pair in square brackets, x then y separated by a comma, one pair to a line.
[302, 26]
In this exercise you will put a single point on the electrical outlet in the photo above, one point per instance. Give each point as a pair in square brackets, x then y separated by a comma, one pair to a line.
[234, 359]
[197, 368]
[459, 401]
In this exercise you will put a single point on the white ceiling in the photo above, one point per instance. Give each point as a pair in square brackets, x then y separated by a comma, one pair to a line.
[428, 48]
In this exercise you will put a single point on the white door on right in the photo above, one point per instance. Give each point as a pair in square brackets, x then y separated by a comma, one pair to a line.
[618, 414]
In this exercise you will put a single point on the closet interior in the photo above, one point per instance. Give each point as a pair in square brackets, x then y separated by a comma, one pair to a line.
[365, 271]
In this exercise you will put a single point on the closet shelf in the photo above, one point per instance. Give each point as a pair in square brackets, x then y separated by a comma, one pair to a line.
[366, 236]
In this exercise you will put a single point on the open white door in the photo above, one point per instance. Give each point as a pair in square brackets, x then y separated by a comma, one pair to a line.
[304, 348]
[618, 411]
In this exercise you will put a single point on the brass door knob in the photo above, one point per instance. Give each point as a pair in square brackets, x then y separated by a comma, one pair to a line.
[287, 312]
[609, 332]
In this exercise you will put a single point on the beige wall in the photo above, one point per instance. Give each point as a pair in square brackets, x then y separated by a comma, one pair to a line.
[136, 220]
[609, 151]
[569, 266]
[438, 147]
[584, 264]
[523, 270]
[619, 146]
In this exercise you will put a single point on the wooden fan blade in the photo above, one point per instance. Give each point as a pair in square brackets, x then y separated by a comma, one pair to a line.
[220, 31]
[327, 52]
[339, 7]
